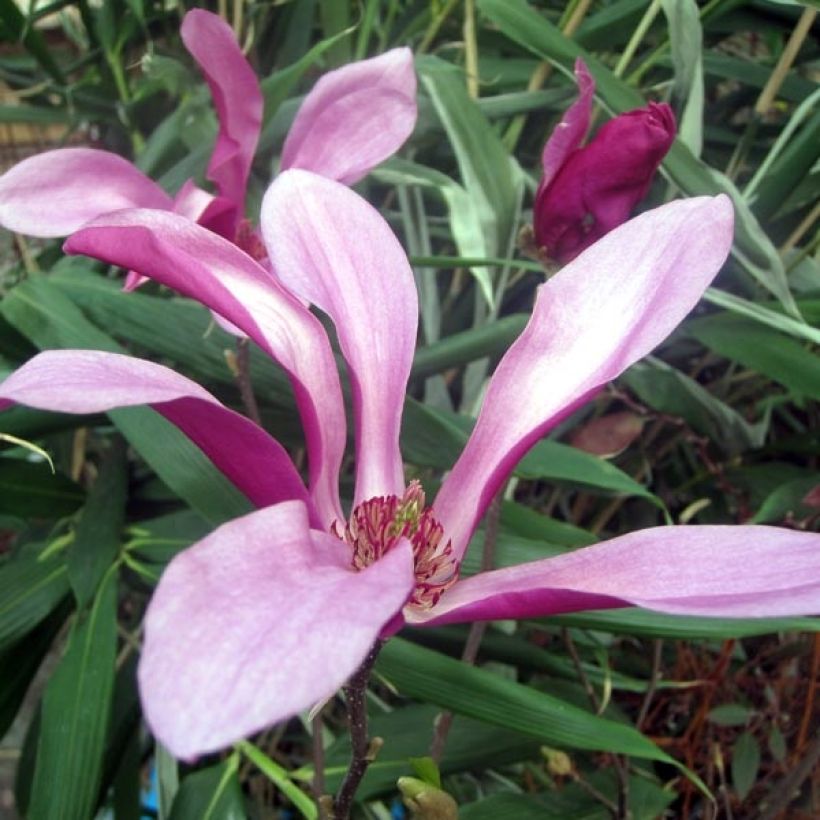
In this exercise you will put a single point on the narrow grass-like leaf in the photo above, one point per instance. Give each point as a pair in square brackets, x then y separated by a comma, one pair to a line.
[211, 794]
[407, 732]
[29, 590]
[31, 490]
[646, 624]
[477, 693]
[97, 537]
[76, 711]
[280, 778]
[667, 390]
[761, 349]
[20, 662]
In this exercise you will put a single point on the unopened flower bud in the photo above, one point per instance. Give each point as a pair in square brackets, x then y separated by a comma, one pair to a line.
[559, 764]
[425, 801]
[587, 191]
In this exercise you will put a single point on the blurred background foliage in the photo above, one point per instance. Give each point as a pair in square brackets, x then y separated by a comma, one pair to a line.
[582, 716]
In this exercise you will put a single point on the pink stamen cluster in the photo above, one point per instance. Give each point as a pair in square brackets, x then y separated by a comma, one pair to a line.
[375, 527]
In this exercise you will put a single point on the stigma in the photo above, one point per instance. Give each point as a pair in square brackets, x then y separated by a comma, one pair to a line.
[376, 526]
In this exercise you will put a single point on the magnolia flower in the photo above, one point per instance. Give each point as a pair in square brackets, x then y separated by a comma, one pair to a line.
[587, 191]
[272, 612]
[353, 119]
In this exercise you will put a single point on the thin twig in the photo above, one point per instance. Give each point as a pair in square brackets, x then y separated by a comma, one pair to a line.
[477, 629]
[582, 675]
[657, 649]
[243, 380]
[318, 759]
[783, 793]
[363, 749]
[776, 78]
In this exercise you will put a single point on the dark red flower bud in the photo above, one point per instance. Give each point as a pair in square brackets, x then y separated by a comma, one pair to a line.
[587, 191]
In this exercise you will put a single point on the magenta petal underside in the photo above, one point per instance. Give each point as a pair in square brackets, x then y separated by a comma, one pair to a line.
[570, 132]
[237, 99]
[57, 192]
[717, 571]
[604, 311]
[331, 247]
[257, 622]
[354, 118]
[208, 268]
[90, 381]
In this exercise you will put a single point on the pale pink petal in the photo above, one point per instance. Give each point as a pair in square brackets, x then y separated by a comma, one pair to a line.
[257, 622]
[54, 193]
[195, 204]
[605, 310]
[198, 263]
[90, 381]
[237, 99]
[329, 246]
[354, 118]
[716, 571]
[569, 133]
[191, 201]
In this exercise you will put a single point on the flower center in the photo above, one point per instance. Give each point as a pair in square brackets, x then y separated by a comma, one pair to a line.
[375, 527]
[248, 240]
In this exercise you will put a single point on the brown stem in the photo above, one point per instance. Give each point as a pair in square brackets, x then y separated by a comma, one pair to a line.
[243, 380]
[582, 676]
[657, 648]
[363, 749]
[318, 760]
[477, 629]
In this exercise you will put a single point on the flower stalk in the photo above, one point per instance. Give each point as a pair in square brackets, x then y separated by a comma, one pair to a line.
[364, 749]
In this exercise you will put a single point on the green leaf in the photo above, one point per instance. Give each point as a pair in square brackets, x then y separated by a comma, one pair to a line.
[436, 438]
[730, 714]
[76, 711]
[686, 38]
[669, 391]
[646, 624]
[491, 178]
[477, 693]
[407, 732]
[29, 590]
[787, 500]
[280, 778]
[278, 86]
[426, 769]
[761, 349]
[20, 662]
[210, 794]
[464, 211]
[96, 541]
[745, 764]
[15, 26]
[31, 490]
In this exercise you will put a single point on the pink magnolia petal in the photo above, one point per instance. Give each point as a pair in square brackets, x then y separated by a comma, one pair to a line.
[718, 571]
[191, 201]
[332, 248]
[257, 622]
[90, 381]
[206, 267]
[55, 193]
[570, 132]
[598, 315]
[354, 118]
[237, 99]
